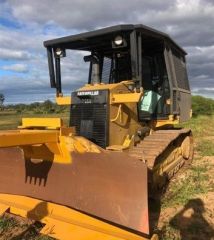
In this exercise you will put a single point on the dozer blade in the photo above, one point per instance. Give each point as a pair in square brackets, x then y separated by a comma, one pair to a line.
[108, 185]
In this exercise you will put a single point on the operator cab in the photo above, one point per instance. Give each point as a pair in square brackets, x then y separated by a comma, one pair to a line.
[137, 53]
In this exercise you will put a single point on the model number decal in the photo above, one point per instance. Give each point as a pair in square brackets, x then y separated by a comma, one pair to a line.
[88, 93]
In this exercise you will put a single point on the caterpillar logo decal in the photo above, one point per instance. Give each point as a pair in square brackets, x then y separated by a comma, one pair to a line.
[88, 93]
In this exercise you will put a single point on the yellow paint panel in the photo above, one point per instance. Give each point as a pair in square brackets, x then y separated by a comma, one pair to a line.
[101, 86]
[161, 123]
[64, 223]
[27, 137]
[53, 123]
[3, 208]
[64, 100]
[126, 98]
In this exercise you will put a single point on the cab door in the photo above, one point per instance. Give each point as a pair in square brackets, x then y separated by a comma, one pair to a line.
[153, 104]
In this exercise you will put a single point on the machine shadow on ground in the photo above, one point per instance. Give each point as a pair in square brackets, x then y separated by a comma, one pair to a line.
[190, 223]
[32, 231]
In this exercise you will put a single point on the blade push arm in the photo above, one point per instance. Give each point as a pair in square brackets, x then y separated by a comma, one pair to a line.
[46, 139]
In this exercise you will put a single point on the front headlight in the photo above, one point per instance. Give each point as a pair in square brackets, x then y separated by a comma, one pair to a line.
[118, 40]
[59, 52]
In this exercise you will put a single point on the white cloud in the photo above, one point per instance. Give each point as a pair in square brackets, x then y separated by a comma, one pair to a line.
[8, 54]
[189, 22]
[79, 14]
[21, 68]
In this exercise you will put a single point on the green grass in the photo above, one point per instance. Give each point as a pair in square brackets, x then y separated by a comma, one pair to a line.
[206, 148]
[11, 120]
[197, 178]
[202, 126]
[195, 182]
[169, 233]
[7, 223]
[180, 192]
[11, 228]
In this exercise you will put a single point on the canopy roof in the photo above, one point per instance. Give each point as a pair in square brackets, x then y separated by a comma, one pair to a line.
[90, 40]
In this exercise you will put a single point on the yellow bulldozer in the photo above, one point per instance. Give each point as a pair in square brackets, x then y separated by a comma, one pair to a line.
[92, 179]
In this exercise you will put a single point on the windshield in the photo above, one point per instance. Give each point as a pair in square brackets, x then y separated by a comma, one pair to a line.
[74, 71]
[110, 68]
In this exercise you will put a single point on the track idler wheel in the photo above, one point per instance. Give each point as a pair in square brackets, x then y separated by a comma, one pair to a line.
[187, 148]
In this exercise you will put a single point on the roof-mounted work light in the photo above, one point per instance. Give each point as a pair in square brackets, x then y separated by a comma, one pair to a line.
[59, 52]
[119, 42]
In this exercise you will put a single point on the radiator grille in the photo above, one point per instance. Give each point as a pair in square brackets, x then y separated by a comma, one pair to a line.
[91, 122]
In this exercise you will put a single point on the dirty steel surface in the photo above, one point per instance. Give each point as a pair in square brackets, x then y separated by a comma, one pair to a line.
[154, 145]
[111, 186]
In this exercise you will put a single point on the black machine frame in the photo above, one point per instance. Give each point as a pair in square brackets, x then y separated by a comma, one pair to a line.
[138, 37]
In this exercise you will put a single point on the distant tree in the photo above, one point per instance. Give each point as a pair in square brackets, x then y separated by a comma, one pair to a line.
[48, 106]
[202, 106]
[2, 98]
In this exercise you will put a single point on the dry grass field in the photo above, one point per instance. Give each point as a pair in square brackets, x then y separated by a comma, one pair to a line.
[185, 210]
[187, 207]
[11, 119]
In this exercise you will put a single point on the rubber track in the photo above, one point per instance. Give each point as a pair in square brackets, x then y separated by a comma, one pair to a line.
[155, 144]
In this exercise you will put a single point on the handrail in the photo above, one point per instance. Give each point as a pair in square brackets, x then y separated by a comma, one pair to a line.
[118, 114]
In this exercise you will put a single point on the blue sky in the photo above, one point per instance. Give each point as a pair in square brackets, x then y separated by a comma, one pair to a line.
[24, 25]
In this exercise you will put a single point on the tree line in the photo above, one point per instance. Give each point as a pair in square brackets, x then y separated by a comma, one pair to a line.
[2, 98]
[36, 108]
[200, 106]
